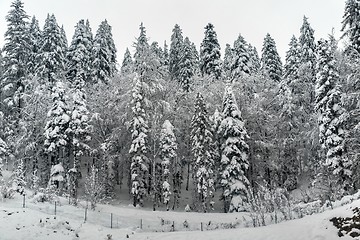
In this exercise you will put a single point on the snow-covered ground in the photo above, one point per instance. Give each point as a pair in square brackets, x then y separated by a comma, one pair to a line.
[38, 221]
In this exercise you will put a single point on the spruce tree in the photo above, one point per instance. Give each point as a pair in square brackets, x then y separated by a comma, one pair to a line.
[79, 127]
[139, 129]
[270, 59]
[240, 64]
[234, 156]
[350, 23]
[203, 153]
[210, 62]
[16, 53]
[64, 41]
[166, 55]
[35, 36]
[79, 54]
[51, 59]
[176, 47]
[103, 63]
[56, 128]
[332, 115]
[93, 187]
[227, 60]
[127, 63]
[255, 63]
[307, 45]
[168, 147]
[186, 65]
[292, 59]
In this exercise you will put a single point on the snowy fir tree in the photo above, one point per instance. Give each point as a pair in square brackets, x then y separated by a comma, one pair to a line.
[203, 153]
[19, 182]
[168, 147]
[240, 63]
[104, 54]
[270, 59]
[292, 59]
[35, 41]
[127, 63]
[16, 53]
[176, 48]
[64, 41]
[79, 54]
[94, 190]
[227, 60]
[79, 127]
[234, 156]
[210, 62]
[186, 66]
[139, 161]
[332, 115]
[255, 63]
[57, 126]
[307, 45]
[350, 23]
[51, 59]
[215, 121]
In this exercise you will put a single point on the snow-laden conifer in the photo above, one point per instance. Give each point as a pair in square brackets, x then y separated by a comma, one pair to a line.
[234, 155]
[292, 59]
[270, 59]
[176, 48]
[203, 153]
[138, 149]
[332, 115]
[104, 62]
[240, 63]
[168, 147]
[210, 62]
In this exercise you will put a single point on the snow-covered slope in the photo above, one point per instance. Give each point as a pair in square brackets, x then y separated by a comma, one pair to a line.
[37, 221]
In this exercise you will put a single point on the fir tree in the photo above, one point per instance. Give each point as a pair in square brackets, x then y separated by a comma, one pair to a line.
[307, 45]
[240, 63]
[350, 23]
[127, 64]
[64, 41]
[255, 63]
[16, 53]
[56, 129]
[79, 54]
[210, 63]
[292, 59]
[203, 153]
[104, 62]
[270, 59]
[19, 182]
[51, 59]
[176, 47]
[168, 147]
[332, 115]
[35, 41]
[227, 60]
[234, 156]
[138, 150]
[186, 65]
[79, 127]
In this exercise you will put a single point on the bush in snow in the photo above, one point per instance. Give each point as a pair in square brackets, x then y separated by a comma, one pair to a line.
[94, 189]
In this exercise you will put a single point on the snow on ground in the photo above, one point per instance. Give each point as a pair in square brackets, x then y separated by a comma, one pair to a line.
[38, 222]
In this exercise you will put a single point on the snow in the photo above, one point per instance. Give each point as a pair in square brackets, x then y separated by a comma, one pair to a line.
[37, 221]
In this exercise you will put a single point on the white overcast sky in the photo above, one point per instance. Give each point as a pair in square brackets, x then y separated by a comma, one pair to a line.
[252, 18]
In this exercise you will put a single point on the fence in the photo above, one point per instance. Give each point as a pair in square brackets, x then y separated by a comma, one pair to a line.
[111, 220]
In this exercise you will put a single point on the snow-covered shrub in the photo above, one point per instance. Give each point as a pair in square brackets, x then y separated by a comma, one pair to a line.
[94, 189]
[6, 190]
[187, 208]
